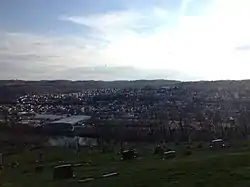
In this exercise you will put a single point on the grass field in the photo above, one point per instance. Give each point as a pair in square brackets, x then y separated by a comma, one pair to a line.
[229, 167]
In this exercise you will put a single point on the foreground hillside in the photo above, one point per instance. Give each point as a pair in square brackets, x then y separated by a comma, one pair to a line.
[203, 168]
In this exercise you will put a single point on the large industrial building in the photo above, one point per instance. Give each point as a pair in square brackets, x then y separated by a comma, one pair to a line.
[48, 117]
[67, 123]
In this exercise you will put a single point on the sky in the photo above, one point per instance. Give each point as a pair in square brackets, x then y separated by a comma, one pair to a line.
[124, 39]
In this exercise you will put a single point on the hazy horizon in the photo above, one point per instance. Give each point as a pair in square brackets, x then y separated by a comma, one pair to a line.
[185, 40]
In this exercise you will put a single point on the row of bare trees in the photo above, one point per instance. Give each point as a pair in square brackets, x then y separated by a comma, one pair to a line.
[174, 124]
[178, 125]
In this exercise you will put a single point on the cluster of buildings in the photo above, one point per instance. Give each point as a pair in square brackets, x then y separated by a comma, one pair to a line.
[145, 107]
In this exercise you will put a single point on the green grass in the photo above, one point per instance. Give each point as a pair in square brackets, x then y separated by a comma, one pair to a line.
[204, 168]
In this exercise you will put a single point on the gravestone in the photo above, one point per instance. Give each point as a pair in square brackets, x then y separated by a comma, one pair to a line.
[169, 154]
[39, 168]
[63, 172]
[129, 154]
[1, 159]
[159, 150]
[217, 144]
[187, 152]
[40, 157]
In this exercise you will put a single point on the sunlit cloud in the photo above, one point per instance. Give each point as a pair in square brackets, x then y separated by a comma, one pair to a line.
[137, 43]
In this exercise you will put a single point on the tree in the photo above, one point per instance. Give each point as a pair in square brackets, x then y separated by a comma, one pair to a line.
[243, 122]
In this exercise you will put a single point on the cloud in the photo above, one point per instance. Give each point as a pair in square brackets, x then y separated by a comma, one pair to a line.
[150, 39]
[113, 25]
[155, 42]
[35, 57]
[243, 48]
[131, 36]
[30, 56]
[118, 73]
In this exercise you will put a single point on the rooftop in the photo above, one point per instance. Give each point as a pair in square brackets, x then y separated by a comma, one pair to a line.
[48, 117]
[73, 119]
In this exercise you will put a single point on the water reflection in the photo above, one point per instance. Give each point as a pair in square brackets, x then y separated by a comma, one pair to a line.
[61, 141]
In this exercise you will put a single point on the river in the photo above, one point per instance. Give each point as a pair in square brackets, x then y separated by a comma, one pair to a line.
[61, 141]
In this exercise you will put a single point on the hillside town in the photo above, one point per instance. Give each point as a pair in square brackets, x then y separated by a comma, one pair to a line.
[147, 109]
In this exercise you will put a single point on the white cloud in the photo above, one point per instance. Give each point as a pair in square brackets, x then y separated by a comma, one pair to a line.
[152, 40]
[28, 56]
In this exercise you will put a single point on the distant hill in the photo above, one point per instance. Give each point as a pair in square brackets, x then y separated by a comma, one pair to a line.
[227, 85]
[10, 89]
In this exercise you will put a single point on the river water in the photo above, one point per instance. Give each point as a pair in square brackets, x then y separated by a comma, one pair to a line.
[62, 141]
